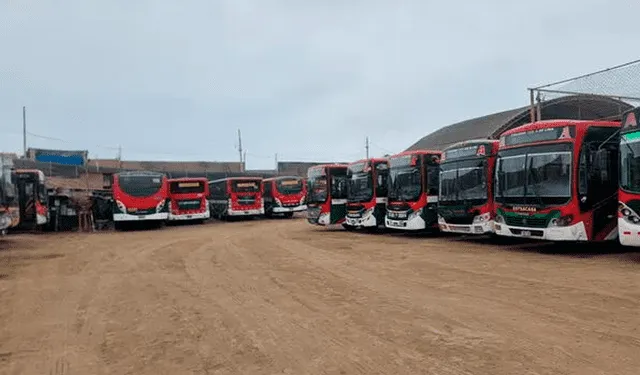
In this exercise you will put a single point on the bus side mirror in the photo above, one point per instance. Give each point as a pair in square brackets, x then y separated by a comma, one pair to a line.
[583, 199]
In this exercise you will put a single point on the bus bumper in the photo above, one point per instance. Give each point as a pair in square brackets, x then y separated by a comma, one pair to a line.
[197, 216]
[576, 232]
[477, 228]
[415, 223]
[629, 234]
[368, 220]
[254, 212]
[5, 221]
[127, 217]
[282, 210]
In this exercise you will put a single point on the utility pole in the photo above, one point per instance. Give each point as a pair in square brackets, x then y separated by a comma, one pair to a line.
[240, 150]
[119, 157]
[276, 160]
[244, 162]
[24, 130]
[366, 146]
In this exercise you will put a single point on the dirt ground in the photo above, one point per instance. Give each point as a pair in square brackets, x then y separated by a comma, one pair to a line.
[283, 297]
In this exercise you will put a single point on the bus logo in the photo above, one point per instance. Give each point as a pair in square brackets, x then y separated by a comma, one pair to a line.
[630, 120]
[481, 151]
[524, 209]
[565, 133]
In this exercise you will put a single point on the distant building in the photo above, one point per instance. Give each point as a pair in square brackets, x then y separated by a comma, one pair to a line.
[64, 157]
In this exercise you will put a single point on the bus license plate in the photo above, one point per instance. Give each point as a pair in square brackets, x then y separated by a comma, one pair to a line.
[188, 216]
[141, 217]
[526, 233]
[395, 223]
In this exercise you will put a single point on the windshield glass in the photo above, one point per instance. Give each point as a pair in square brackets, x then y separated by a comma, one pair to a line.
[458, 183]
[535, 175]
[140, 185]
[360, 188]
[186, 187]
[289, 185]
[245, 186]
[317, 189]
[630, 167]
[405, 183]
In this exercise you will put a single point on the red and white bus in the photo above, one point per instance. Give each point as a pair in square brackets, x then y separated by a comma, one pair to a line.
[327, 194]
[284, 195]
[629, 186]
[558, 180]
[413, 190]
[33, 198]
[465, 202]
[367, 193]
[188, 199]
[9, 200]
[140, 196]
[236, 197]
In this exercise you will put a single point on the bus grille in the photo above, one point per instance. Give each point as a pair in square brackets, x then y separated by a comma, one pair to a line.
[246, 201]
[189, 204]
[526, 221]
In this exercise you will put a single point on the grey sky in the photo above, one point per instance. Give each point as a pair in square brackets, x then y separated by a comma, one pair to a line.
[306, 79]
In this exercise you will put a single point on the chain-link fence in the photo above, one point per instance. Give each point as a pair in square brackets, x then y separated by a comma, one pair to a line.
[604, 94]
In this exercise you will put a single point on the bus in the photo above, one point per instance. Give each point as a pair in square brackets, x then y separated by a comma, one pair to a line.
[33, 200]
[327, 194]
[188, 199]
[236, 197]
[367, 193]
[629, 185]
[140, 196]
[413, 191]
[465, 200]
[557, 180]
[284, 195]
[9, 205]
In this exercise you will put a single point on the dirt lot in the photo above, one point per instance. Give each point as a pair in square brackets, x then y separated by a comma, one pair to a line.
[282, 297]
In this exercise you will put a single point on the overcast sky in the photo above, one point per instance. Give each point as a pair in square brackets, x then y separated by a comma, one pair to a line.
[174, 80]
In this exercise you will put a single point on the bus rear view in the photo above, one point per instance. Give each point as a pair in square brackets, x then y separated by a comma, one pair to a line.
[236, 197]
[284, 195]
[140, 196]
[188, 199]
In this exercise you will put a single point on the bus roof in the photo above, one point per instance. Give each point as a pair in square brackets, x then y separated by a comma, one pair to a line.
[417, 152]
[557, 123]
[281, 178]
[139, 173]
[239, 178]
[472, 142]
[335, 165]
[370, 159]
[188, 179]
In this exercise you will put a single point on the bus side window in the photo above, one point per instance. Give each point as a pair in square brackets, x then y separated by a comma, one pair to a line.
[433, 179]
[267, 189]
[338, 187]
[382, 186]
[583, 174]
[42, 194]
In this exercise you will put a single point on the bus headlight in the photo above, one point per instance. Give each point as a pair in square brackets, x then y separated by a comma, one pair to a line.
[302, 200]
[121, 206]
[415, 214]
[499, 219]
[482, 218]
[562, 221]
[628, 215]
[160, 205]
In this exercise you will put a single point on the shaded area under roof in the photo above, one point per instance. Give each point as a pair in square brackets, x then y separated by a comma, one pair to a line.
[574, 107]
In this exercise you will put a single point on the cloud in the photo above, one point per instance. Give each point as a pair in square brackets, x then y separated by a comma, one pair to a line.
[308, 80]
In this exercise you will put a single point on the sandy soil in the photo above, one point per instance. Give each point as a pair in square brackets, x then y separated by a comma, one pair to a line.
[283, 297]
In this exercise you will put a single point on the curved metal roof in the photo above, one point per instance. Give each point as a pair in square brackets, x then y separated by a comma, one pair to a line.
[574, 107]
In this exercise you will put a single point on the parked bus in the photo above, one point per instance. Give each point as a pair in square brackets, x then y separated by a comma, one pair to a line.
[413, 190]
[367, 193]
[284, 195]
[327, 194]
[140, 196]
[32, 199]
[188, 199]
[558, 180]
[465, 201]
[629, 187]
[9, 202]
[236, 197]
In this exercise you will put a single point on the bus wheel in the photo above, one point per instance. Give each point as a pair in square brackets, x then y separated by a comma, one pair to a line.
[288, 215]
[348, 227]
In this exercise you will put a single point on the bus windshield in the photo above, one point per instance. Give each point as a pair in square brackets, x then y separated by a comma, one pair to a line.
[463, 181]
[630, 164]
[186, 187]
[245, 186]
[140, 185]
[360, 188]
[405, 183]
[289, 186]
[317, 189]
[543, 177]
